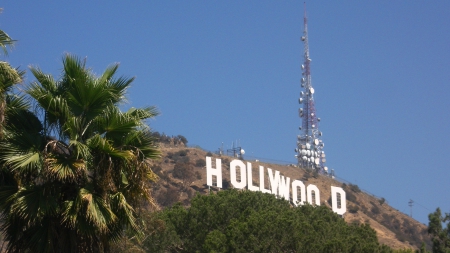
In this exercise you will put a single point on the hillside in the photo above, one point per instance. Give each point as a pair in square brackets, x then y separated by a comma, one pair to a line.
[182, 174]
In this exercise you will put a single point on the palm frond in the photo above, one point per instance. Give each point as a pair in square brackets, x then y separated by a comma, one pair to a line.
[19, 118]
[92, 207]
[16, 102]
[143, 113]
[8, 76]
[34, 203]
[47, 81]
[117, 123]
[23, 163]
[21, 152]
[52, 101]
[6, 193]
[103, 145]
[142, 142]
[109, 73]
[40, 237]
[124, 210]
[65, 169]
[80, 150]
[118, 88]
[5, 41]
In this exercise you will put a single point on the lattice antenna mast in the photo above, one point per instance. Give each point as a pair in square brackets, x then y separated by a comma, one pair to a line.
[309, 149]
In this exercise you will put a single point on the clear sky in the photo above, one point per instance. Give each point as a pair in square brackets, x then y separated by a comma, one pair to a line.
[221, 71]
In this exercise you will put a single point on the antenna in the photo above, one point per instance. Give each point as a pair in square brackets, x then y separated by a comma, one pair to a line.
[410, 203]
[310, 154]
[236, 150]
[220, 151]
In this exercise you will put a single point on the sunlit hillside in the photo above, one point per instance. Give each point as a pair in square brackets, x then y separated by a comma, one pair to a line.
[182, 174]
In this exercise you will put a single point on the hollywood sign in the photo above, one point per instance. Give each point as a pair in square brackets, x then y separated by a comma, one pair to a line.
[279, 185]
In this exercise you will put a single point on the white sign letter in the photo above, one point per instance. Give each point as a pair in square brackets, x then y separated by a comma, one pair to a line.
[284, 188]
[295, 185]
[234, 182]
[274, 180]
[334, 200]
[309, 191]
[250, 185]
[210, 171]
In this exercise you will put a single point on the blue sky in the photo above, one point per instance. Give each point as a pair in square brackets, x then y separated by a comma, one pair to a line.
[221, 71]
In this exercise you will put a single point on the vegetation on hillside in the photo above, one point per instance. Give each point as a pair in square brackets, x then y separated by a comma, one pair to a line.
[245, 221]
[439, 229]
[166, 139]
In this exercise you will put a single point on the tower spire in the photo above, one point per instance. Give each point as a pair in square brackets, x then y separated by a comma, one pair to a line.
[310, 154]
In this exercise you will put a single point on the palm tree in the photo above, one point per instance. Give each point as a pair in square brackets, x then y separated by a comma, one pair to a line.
[73, 175]
[8, 76]
[5, 40]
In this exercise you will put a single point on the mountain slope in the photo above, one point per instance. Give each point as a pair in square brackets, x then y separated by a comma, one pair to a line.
[182, 174]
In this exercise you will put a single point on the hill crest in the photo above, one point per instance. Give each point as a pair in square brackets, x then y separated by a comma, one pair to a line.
[182, 173]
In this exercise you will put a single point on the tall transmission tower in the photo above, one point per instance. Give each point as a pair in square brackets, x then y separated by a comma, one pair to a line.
[310, 154]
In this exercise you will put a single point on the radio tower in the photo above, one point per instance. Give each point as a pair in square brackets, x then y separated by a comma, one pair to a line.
[310, 154]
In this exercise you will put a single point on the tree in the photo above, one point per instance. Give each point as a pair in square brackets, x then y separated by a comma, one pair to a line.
[439, 229]
[72, 176]
[9, 76]
[182, 139]
[185, 172]
[246, 221]
[5, 40]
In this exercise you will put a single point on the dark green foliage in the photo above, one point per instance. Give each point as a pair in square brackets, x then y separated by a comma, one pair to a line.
[198, 175]
[182, 170]
[375, 210]
[353, 208]
[350, 196]
[163, 138]
[381, 201]
[354, 188]
[200, 163]
[439, 229]
[156, 135]
[179, 157]
[72, 177]
[181, 153]
[245, 221]
[209, 154]
[182, 139]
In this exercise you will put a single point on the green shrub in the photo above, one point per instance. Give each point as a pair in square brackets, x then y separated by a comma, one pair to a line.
[350, 196]
[375, 210]
[198, 175]
[246, 221]
[200, 163]
[354, 188]
[353, 208]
